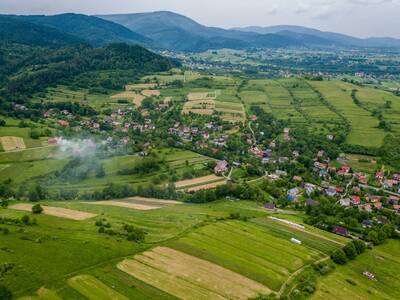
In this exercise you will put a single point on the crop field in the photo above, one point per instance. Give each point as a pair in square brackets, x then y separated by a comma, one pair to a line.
[348, 282]
[94, 289]
[42, 294]
[10, 143]
[248, 249]
[206, 186]
[188, 277]
[189, 183]
[140, 86]
[139, 203]
[199, 107]
[57, 212]
[364, 127]
[131, 96]
[151, 93]
[16, 138]
[66, 94]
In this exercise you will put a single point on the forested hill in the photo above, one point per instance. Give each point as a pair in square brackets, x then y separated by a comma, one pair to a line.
[102, 68]
[23, 32]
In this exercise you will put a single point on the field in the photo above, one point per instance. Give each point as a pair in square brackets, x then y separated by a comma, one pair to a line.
[348, 282]
[57, 212]
[188, 277]
[11, 143]
[250, 250]
[94, 289]
[135, 98]
[199, 182]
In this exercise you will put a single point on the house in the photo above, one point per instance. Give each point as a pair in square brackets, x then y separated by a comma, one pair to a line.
[356, 200]
[269, 206]
[340, 230]
[52, 141]
[297, 178]
[366, 224]
[379, 175]
[221, 167]
[281, 173]
[293, 194]
[320, 166]
[394, 199]
[369, 275]
[372, 198]
[63, 123]
[382, 220]
[396, 177]
[365, 207]
[310, 188]
[331, 191]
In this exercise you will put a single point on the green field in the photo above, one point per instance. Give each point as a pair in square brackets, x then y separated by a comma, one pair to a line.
[348, 282]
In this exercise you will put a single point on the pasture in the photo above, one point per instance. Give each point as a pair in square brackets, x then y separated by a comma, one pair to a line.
[139, 203]
[348, 282]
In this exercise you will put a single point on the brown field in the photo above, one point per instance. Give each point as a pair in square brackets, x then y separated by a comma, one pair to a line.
[150, 93]
[57, 212]
[132, 96]
[200, 96]
[140, 86]
[207, 186]
[124, 204]
[188, 277]
[200, 107]
[167, 100]
[152, 200]
[11, 143]
[197, 181]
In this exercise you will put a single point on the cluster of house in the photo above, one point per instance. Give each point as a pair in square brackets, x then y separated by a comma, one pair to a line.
[211, 134]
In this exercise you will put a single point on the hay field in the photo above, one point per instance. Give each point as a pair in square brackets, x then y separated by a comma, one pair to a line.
[200, 107]
[94, 289]
[11, 143]
[188, 277]
[57, 212]
[131, 96]
[124, 204]
[151, 93]
[207, 186]
[197, 181]
[194, 96]
[248, 249]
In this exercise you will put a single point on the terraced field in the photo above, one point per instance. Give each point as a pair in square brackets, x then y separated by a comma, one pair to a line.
[364, 127]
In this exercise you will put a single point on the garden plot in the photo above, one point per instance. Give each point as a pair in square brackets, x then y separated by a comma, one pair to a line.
[11, 143]
[188, 277]
[151, 93]
[57, 212]
[140, 86]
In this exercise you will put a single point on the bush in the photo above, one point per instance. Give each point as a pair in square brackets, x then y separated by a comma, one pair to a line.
[37, 209]
[339, 257]
[25, 219]
[350, 251]
[360, 246]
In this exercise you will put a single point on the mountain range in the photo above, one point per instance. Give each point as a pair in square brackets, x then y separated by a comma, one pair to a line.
[169, 31]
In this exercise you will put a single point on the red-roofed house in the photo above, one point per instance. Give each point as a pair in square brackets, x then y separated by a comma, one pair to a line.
[355, 200]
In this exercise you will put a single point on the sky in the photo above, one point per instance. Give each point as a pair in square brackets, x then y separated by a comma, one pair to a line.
[362, 18]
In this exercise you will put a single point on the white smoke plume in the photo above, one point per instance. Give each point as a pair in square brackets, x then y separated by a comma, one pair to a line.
[76, 147]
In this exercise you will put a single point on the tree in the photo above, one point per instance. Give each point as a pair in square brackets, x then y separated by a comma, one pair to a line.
[360, 246]
[25, 219]
[100, 173]
[339, 257]
[350, 251]
[37, 209]
[5, 293]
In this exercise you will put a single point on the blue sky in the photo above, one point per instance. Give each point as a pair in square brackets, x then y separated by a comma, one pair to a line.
[363, 18]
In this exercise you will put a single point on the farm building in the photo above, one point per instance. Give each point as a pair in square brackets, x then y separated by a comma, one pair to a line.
[340, 231]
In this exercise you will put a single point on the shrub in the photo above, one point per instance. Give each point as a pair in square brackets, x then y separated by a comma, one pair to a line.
[37, 209]
[25, 219]
[339, 257]
[350, 251]
[360, 246]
